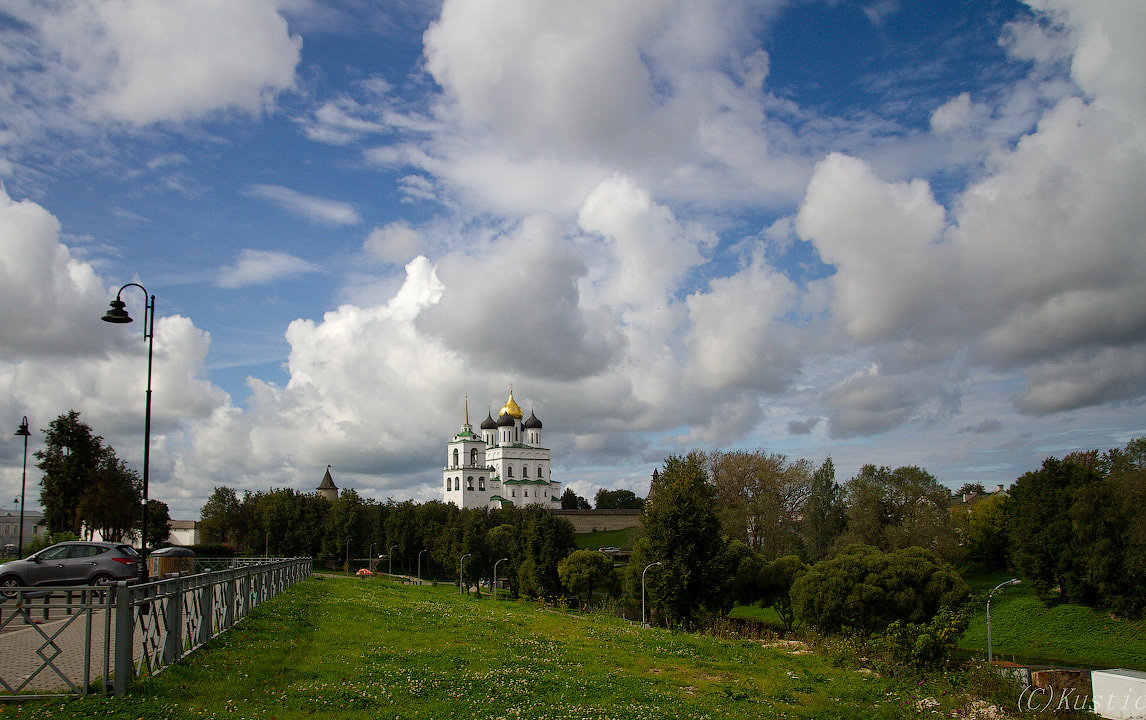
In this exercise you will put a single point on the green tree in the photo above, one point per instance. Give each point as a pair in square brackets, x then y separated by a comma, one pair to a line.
[982, 530]
[777, 579]
[546, 540]
[572, 501]
[618, 500]
[219, 516]
[824, 513]
[70, 462]
[682, 532]
[111, 505]
[863, 590]
[760, 498]
[584, 571]
[158, 523]
[894, 509]
[1039, 523]
[505, 542]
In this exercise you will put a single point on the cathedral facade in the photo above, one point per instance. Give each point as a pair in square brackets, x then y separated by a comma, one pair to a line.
[503, 465]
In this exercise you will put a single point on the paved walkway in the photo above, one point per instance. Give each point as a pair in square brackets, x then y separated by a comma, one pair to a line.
[51, 654]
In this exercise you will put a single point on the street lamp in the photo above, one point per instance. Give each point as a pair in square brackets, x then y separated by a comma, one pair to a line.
[494, 586]
[658, 562]
[391, 561]
[1012, 581]
[118, 314]
[23, 431]
[420, 564]
[461, 580]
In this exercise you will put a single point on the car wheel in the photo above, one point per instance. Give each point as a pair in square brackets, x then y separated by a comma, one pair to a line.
[6, 583]
[102, 579]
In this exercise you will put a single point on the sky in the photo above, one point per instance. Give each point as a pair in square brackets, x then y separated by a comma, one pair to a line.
[896, 232]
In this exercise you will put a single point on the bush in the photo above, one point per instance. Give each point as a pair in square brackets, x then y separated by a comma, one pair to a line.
[922, 646]
[863, 590]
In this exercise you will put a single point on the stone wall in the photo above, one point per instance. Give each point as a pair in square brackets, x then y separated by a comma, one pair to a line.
[585, 521]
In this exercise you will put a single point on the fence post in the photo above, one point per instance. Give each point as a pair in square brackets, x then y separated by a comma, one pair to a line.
[229, 600]
[173, 620]
[123, 639]
[207, 611]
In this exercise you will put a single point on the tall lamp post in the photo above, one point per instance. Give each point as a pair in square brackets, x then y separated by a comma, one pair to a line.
[118, 314]
[420, 564]
[494, 586]
[1012, 581]
[23, 431]
[658, 562]
[461, 579]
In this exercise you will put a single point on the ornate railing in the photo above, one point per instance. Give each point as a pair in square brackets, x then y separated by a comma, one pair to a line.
[79, 640]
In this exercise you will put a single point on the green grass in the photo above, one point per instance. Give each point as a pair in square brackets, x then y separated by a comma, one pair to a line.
[1024, 627]
[348, 648]
[623, 539]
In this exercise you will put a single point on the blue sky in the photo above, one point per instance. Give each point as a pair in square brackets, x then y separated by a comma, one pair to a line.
[887, 232]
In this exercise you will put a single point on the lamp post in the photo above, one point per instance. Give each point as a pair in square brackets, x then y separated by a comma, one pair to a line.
[118, 314]
[420, 564]
[24, 432]
[390, 560]
[461, 579]
[494, 586]
[658, 562]
[1012, 581]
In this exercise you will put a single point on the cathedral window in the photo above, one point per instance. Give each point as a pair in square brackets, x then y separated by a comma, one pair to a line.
[513, 493]
[540, 475]
[473, 456]
[481, 483]
[509, 472]
[526, 493]
[524, 471]
[455, 457]
[470, 482]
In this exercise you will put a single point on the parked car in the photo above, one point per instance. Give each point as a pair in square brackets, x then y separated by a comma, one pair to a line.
[72, 563]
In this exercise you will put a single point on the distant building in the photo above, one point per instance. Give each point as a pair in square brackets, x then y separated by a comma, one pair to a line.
[10, 529]
[327, 488]
[183, 532]
[505, 465]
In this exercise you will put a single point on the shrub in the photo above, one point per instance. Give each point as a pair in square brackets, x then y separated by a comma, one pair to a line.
[863, 590]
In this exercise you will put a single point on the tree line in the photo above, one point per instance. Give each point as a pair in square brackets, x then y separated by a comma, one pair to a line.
[430, 539]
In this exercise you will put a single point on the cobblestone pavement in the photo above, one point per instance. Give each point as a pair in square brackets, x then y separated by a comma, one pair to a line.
[51, 652]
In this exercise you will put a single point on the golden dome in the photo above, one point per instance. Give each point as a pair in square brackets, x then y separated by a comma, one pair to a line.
[510, 408]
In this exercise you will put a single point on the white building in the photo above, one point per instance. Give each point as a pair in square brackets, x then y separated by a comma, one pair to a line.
[505, 465]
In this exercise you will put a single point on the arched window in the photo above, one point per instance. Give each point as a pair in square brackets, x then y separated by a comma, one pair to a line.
[481, 483]
[524, 471]
[455, 457]
[470, 482]
[509, 472]
[473, 456]
[540, 475]
[513, 493]
[526, 492]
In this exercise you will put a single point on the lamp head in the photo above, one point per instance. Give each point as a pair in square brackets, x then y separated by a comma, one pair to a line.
[117, 313]
[23, 429]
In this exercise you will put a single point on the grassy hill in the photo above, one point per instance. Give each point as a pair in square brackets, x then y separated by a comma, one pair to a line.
[1025, 627]
[348, 648]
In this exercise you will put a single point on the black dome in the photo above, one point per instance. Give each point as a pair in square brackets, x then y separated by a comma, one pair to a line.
[489, 423]
[532, 423]
[505, 420]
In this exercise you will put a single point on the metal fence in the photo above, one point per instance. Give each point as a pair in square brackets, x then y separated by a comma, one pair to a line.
[77, 640]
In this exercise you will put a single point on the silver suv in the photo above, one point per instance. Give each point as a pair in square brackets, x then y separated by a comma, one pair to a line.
[72, 563]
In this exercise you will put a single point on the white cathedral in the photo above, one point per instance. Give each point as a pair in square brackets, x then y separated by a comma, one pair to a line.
[505, 465]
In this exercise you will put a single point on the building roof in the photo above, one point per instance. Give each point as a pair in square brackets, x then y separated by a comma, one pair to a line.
[511, 408]
[327, 481]
[532, 423]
